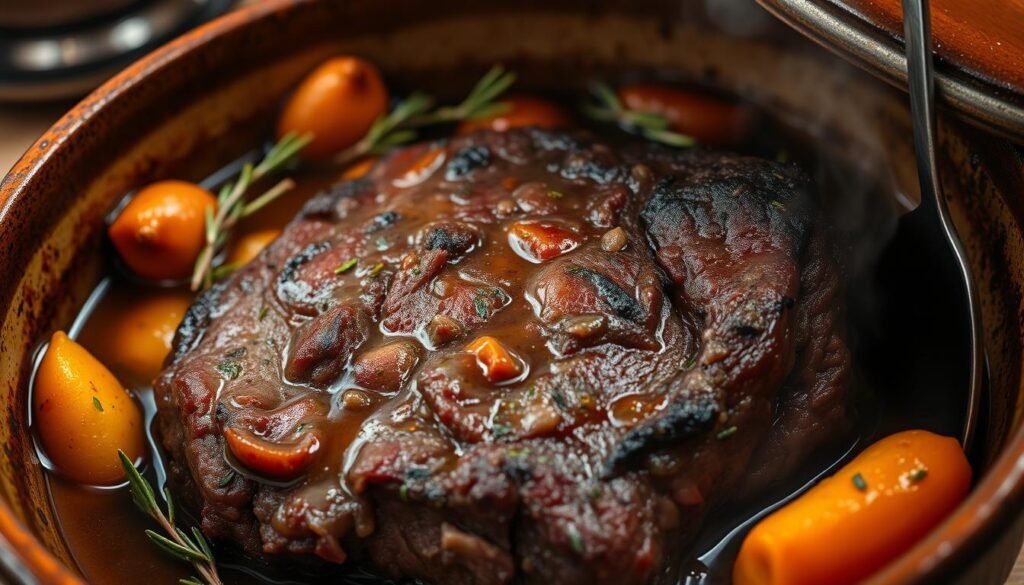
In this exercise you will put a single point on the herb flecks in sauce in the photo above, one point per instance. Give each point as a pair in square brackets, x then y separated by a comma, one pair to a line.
[348, 265]
[859, 482]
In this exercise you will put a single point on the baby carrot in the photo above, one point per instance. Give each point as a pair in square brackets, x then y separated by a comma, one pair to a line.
[853, 523]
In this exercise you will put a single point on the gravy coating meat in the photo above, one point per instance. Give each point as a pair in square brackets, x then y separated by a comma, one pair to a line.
[520, 357]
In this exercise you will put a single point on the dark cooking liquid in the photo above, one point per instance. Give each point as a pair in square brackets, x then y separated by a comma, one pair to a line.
[105, 532]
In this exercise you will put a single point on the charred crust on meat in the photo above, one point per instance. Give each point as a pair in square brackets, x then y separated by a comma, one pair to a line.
[727, 187]
[324, 205]
[295, 262]
[681, 420]
[547, 140]
[518, 469]
[466, 160]
[587, 165]
[619, 300]
[456, 238]
[196, 320]
[383, 220]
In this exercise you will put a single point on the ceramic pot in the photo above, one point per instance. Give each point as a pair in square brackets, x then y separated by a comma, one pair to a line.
[209, 96]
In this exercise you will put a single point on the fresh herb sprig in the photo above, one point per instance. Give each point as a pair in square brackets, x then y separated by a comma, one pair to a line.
[417, 111]
[606, 107]
[193, 549]
[232, 204]
[393, 129]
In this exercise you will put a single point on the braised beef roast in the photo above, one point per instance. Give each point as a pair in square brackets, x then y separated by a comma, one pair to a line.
[511, 357]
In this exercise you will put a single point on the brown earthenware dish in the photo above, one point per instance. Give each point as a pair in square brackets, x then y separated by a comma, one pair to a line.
[214, 91]
[980, 68]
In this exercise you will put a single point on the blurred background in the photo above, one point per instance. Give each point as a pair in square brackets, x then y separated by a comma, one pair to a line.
[54, 51]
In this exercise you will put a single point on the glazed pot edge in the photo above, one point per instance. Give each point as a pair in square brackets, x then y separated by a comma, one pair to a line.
[1001, 491]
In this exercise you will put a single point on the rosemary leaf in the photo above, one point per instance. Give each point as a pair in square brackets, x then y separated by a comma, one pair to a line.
[646, 120]
[282, 153]
[141, 493]
[494, 83]
[223, 271]
[203, 544]
[174, 549]
[599, 113]
[267, 197]
[396, 138]
[186, 541]
[170, 504]
[606, 95]
[606, 107]
[670, 138]
[489, 110]
[232, 205]
[211, 230]
[194, 550]
[417, 110]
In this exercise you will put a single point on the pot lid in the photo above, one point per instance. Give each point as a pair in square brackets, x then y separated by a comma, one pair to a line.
[979, 45]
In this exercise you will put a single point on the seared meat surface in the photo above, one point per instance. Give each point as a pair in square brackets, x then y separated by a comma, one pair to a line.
[511, 357]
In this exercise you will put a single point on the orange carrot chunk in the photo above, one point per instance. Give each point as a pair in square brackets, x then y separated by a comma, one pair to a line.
[337, 103]
[359, 168]
[250, 245]
[498, 363]
[283, 461]
[853, 523]
[161, 231]
[83, 415]
[421, 168]
[541, 240]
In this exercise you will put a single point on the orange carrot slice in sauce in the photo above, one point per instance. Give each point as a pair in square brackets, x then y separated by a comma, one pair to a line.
[282, 461]
[498, 362]
[541, 240]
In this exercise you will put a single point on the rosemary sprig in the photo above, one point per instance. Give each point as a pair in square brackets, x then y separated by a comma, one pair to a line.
[606, 107]
[232, 205]
[391, 130]
[193, 549]
[417, 110]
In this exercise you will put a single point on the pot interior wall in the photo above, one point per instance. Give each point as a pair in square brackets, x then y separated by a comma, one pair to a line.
[213, 107]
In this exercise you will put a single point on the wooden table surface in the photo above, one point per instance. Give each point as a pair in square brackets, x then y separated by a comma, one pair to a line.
[20, 125]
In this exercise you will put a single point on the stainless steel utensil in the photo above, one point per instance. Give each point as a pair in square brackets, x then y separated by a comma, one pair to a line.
[933, 210]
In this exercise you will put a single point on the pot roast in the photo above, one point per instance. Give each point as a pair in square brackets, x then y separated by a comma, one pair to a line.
[522, 357]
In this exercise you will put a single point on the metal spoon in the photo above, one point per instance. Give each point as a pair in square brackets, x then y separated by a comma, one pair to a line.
[933, 208]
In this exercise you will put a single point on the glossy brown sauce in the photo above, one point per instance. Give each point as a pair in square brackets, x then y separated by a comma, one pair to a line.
[105, 532]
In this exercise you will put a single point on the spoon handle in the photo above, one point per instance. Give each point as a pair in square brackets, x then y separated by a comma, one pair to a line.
[920, 80]
[917, 32]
